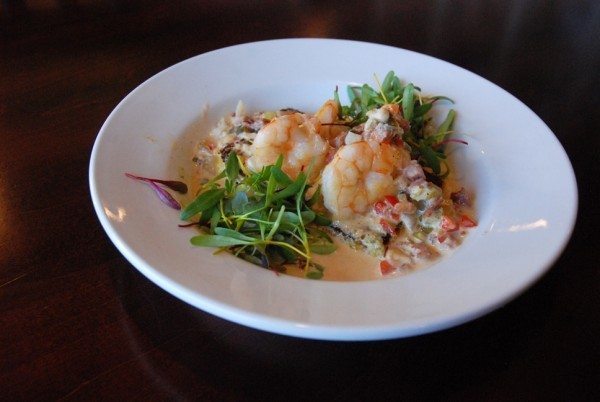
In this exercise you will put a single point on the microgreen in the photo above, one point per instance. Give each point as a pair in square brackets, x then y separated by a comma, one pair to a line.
[203, 202]
[163, 194]
[408, 101]
[426, 147]
[178, 186]
[262, 217]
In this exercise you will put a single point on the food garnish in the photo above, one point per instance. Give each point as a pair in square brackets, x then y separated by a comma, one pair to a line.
[427, 147]
[162, 194]
[263, 217]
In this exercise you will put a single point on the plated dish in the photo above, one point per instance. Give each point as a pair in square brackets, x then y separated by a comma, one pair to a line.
[520, 230]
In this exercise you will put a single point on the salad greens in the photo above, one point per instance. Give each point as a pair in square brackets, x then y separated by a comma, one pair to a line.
[264, 217]
[425, 146]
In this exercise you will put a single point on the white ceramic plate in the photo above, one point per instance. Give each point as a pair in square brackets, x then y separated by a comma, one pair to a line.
[526, 192]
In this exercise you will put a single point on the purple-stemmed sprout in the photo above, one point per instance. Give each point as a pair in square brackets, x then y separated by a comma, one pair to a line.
[178, 186]
[162, 194]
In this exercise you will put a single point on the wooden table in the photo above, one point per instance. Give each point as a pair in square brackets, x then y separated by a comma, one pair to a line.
[77, 321]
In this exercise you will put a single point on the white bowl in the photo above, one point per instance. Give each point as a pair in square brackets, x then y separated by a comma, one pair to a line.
[525, 186]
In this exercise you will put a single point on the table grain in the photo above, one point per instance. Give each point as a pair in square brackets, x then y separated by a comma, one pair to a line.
[78, 322]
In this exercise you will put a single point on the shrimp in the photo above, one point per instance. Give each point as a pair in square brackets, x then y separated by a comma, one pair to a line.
[295, 137]
[326, 118]
[328, 113]
[300, 139]
[360, 174]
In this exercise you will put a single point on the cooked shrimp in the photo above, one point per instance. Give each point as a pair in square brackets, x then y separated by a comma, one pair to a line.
[360, 174]
[328, 113]
[326, 117]
[295, 137]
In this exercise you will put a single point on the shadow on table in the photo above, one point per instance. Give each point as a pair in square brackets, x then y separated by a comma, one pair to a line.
[187, 353]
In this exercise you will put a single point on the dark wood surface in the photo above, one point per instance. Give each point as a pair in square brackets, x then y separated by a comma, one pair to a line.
[77, 321]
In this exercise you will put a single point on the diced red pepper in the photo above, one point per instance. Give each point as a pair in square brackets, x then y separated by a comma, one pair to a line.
[385, 208]
[386, 268]
[442, 238]
[448, 224]
[382, 207]
[387, 227]
[391, 199]
[379, 207]
[466, 222]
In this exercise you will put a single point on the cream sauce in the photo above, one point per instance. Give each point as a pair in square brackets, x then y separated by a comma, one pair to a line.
[345, 264]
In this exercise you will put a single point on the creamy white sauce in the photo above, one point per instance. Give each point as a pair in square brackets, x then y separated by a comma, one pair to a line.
[345, 264]
[350, 265]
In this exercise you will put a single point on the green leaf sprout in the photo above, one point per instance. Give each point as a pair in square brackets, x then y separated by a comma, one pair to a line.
[425, 146]
[262, 217]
